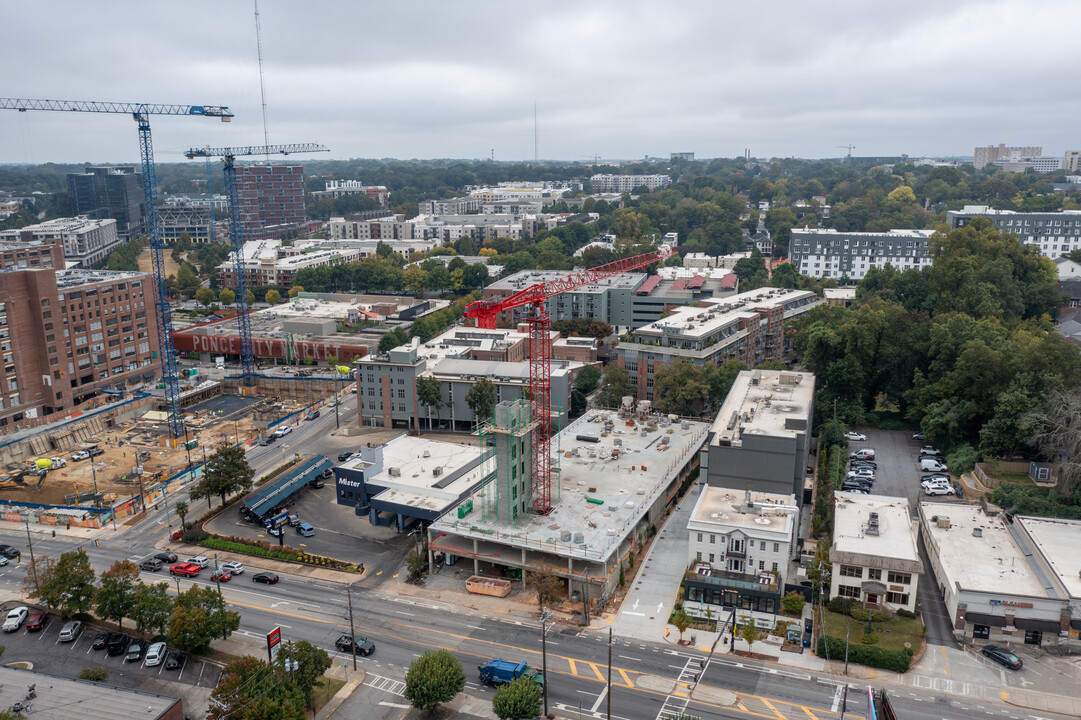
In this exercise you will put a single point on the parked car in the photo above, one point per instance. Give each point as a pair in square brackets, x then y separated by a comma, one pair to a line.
[117, 643]
[863, 463]
[174, 660]
[80, 455]
[855, 436]
[931, 465]
[266, 578]
[312, 415]
[930, 450]
[185, 569]
[200, 560]
[221, 576]
[863, 454]
[71, 631]
[938, 489]
[11, 553]
[316, 483]
[862, 472]
[1002, 656]
[100, 641]
[283, 430]
[37, 621]
[294, 519]
[15, 618]
[935, 476]
[918, 436]
[343, 456]
[152, 564]
[358, 645]
[3, 561]
[155, 654]
[267, 439]
[276, 532]
[136, 650]
[327, 474]
[306, 529]
[234, 567]
[166, 557]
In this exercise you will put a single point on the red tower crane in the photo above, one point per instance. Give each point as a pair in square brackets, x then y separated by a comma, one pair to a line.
[485, 313]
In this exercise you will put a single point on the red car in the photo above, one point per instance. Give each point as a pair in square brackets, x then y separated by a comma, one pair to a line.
[222, 576]
[37, 621]
[186, 569]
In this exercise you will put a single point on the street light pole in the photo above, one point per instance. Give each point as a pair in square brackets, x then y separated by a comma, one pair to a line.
[609, 672]
[352, 633]
[33, 563]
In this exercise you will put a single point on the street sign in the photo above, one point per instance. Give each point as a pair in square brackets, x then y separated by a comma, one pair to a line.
[279, 520]
[273, 642]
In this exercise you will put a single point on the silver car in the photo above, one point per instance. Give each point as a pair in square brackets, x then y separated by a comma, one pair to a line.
[155, 654]
[233, 567]
[70, 631]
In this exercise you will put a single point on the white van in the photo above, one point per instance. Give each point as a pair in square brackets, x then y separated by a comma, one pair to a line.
[931, 465]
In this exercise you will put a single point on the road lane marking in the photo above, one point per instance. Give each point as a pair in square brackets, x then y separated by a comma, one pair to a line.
[600, 699]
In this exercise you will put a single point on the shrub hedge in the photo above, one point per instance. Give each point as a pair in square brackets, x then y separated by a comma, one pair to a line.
[869, 655]
[261, 548]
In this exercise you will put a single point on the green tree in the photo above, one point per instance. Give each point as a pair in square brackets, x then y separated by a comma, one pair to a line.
[681, 388]
[295, 290]
[587, 379]
[251, 689]
[116, 592]
[517, 262]
[615, 385]
[182, 511]
[272, 297]
[227, 472]
[250, 297]
[429, 394]
[785, 276]
[227, 296]
[200, 617]
[578, 403]
[70, 589]
[901, 194]
[480, 399]
[311, 663]
[681, 620]
[520, 698]
[151, 608]
[434, 678]
[393, 339]
[415, 279]
[547, 587]
[750, 634]
[721, 380]
[793, 603]
[204, 296]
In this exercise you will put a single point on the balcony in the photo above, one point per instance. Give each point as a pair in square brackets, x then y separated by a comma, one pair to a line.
[732, 552]
[763, 582]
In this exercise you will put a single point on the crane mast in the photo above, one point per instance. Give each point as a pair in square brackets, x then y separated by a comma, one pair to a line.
[141, 113]
[486, 313]
[236, 236]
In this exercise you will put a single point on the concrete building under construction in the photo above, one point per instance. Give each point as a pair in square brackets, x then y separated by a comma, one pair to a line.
[613, 475]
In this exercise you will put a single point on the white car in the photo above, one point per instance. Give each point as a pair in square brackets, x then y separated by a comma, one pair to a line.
[16, 618]
[155, 654]
[855, 436]
[932, 465]
[938, 489]
[80, 455]
[199, 560]
[283, 430]
[3, 561]
[233, 567]
[862, 472]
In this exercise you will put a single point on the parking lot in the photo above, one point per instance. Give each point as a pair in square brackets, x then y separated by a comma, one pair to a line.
[44, 650]
[898, 473]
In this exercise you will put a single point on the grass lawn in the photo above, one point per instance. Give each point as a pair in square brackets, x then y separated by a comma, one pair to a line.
[900, 630]
[1015, 478]
[324, 690]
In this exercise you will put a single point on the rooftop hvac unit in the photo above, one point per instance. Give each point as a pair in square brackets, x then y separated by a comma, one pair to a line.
[437, 470]
[565, 536]
[427, 453]
[579, 538]
[394, 472]
[943, 522]
[977, 532]
[872, 530]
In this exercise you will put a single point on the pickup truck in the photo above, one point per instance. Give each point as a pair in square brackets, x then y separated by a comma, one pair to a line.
[498, 671]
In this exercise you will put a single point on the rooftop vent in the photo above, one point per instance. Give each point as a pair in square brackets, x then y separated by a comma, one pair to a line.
[977, 532]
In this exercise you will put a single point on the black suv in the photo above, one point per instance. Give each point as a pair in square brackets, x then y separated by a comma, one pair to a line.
[136, 651]
[117, 643]
[358, 644]
[10, 552]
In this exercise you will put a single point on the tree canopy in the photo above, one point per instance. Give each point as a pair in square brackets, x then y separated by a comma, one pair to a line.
[433, 679]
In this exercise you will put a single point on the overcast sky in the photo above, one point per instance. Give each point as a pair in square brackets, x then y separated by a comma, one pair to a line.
[437, 79]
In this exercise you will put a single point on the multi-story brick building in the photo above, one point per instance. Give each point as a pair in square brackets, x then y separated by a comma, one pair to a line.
[270, 195]
[110, 192]
[748, 326]
[79, 332]
[85, 241]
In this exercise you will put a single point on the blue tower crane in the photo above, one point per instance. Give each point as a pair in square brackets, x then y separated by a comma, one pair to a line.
[141, 113]
[236, 235]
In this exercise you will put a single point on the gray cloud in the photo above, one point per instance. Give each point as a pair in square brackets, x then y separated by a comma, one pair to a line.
[615, 79]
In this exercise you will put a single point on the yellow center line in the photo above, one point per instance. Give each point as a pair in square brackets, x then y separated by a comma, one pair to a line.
[808, 711]
[945, 659]
[776, 712]
[600, 675]
[626, 678]
[574, 667]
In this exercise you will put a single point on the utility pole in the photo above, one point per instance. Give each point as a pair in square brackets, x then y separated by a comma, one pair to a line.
[33, 563]
[544, 657]
[844, 702]
[609, 672]
[848, 628]
[337, 402]
[352, 634]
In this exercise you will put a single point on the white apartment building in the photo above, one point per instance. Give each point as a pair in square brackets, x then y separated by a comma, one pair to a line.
[827, 253]
[1071, 161]
[1054, 233]
[626, 183]
[874, 556]
[86, 242]
[740, 548]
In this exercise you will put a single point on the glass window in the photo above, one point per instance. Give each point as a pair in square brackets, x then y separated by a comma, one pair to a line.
[900, 578]
[852, 571]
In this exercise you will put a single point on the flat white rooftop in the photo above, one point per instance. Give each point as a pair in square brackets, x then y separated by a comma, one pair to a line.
[992, 562]
[627, 483]
[896, 536]
[525, 278]
[728, 507]
[716, 313]
[1060, 543]
[765, 402]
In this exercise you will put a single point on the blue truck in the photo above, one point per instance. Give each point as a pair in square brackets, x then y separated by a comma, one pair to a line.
[498, 671]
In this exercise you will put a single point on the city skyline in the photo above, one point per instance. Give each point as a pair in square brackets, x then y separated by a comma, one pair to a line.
[608, 80]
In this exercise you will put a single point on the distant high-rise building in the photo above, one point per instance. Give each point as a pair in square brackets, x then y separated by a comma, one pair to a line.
[682, 156]
[86, 242]
[983, 156]
[270, 195]
[110, 192]
[1071, 161]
